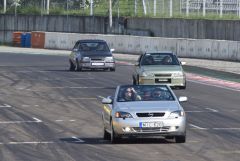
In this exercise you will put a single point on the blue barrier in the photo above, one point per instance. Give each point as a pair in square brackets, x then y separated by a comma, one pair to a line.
[26, 40]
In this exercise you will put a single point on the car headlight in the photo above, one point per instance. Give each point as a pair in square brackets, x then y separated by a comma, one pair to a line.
[176, 114]
[179, 74]
[86, 59]
[146, 74]
[121, 114]
[109, 59]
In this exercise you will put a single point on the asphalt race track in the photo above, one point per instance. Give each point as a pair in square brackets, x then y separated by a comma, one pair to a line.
[50, 114]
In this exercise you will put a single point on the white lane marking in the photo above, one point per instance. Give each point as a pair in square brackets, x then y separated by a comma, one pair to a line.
[21, 88]
[36, 120]
[196, 111]
[33, 142]
[24, 71]
[80, 78]
[213, 110]
[78, 139]
[82, 98]
[210, 111]
[5, 106]
[58, 120]
[65, 120]
[53, 79]
[237, 90]
[193, 141]
[230, 152]
[88, 87]
[25, 105]
[230, 128]
[29, 105]
[39, 88]
[197, 127]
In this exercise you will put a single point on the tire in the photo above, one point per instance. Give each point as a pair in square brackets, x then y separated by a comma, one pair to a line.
[114, 138]
[180, 139]
[169, 137]
[134, 82]
[183, 87]
[78, 68]
[106, 135]
[137, 81]
[112, 69]
[72, 66]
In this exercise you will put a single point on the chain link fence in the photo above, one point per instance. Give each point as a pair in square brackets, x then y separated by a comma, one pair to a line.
[133, 8]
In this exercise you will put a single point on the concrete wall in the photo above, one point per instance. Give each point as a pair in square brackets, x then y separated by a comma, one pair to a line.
[157, 27]
[191, 48]
[188, 28]
[56, 23]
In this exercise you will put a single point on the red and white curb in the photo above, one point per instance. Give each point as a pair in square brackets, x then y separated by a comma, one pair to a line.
[213, 81]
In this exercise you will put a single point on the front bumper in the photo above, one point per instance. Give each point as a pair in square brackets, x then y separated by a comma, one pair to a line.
[131, 126]
[171, 81]
[98, 65]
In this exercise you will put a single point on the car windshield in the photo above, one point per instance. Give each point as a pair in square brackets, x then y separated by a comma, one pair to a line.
[144, 93]
[159, 59]
[93, 46]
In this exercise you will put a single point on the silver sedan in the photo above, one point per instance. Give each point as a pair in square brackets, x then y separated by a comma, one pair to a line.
[144, 110]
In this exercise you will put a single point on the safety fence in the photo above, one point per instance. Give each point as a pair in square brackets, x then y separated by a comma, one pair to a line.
[134, 8]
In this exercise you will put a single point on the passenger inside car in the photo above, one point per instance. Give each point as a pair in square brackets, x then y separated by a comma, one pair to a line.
[148, 60]
[167, 60]
[157, 94]
[130, 95]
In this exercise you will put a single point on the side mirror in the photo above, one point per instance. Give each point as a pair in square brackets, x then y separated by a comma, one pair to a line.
[75, 50]
[107, 100]
[112, 50]
[182, 99]
[183, 63]
[136, 64]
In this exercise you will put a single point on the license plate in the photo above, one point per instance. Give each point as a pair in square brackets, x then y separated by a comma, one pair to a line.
[97, 64]
[150, 124]
[162, 80]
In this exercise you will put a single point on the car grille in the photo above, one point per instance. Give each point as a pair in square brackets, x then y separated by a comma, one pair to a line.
[152, 129]
[163, 75]
[154, 114]
[97, 59]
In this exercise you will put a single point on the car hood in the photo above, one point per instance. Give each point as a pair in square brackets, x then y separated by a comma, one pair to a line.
[96, 54]
[159, 68]
[147, 106]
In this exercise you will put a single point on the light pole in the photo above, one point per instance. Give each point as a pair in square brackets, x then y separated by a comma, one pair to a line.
[110, 14]
[144, 7]
[91, 7]
[171, 8]
[5, 6]
[16, 3]
[48, 2]
[154, 7]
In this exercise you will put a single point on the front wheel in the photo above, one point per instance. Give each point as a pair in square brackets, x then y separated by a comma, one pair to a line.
[114, 138]
[180, 139]
[72, 66]
[112, 69]
[134, 82]
[106, 135]
[78, 67]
